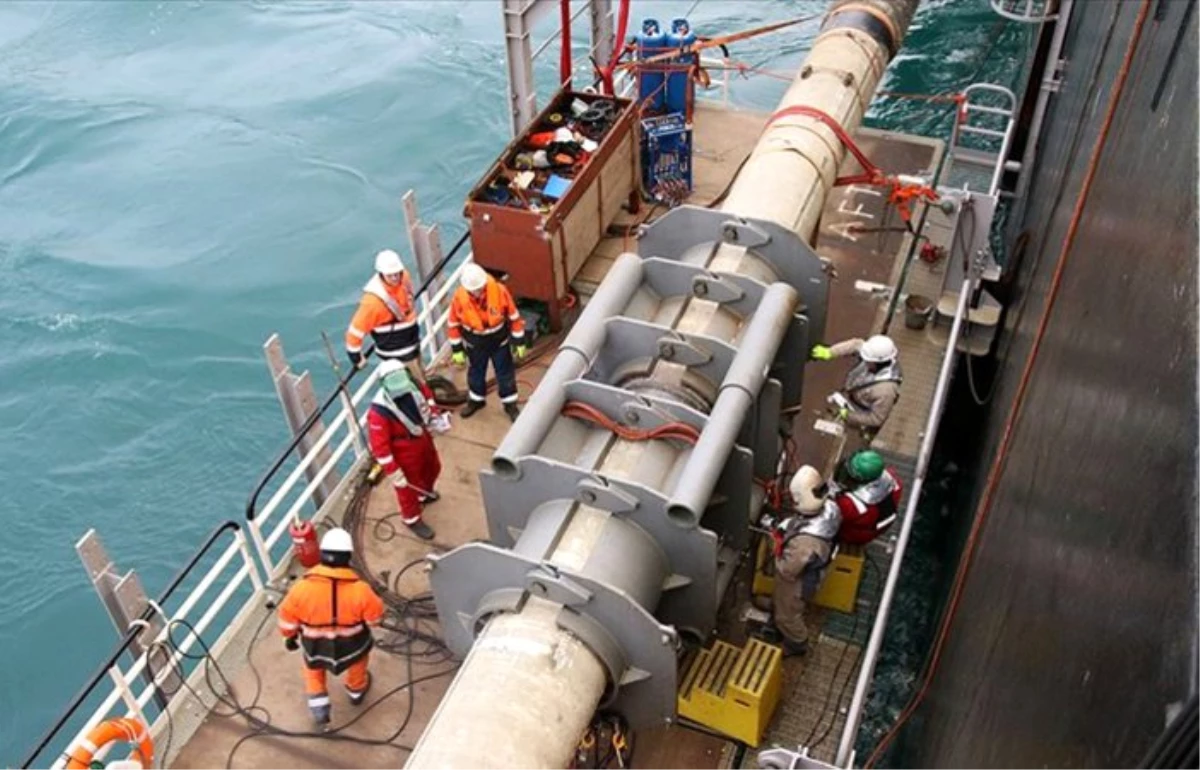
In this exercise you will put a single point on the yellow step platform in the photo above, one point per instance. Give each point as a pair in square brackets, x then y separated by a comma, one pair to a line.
[733, 691]
[839, 590]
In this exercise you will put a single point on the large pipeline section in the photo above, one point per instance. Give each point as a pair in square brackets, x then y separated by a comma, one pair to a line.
[604, 549]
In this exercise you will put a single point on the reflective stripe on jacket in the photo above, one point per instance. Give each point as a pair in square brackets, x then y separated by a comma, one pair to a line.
[489, 322]
[332, 610]
[387, 313]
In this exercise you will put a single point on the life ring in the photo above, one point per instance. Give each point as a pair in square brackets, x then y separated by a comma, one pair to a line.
[124, 729]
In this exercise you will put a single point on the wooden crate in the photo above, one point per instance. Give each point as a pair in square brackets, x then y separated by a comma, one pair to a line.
[539, 252]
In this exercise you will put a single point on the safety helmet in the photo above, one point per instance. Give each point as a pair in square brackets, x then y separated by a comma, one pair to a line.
[474, 278]
[388, 262]
[805, 490]
[865, 466]
[336, 540]
[878, 350]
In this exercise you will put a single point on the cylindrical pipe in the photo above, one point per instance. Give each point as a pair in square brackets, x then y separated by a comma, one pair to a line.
[788, 176]
[574, 357]
[735, 400]
[867, 671]
[522, 698]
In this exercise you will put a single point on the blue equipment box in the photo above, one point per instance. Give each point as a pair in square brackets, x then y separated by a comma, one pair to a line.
[666, 158]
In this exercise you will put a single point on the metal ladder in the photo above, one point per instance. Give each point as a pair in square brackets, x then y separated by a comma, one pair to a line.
[978, 147]
[1026, 11]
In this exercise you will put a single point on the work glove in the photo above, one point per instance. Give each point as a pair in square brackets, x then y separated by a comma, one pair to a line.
[357, 359]
[520, 351]
[458, 358]
[821, 353]
[291, 643]
[842, 414]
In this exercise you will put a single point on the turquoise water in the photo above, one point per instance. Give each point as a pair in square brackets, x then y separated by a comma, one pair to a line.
[179, 180]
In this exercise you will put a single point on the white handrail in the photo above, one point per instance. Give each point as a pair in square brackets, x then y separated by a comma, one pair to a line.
[867, 670]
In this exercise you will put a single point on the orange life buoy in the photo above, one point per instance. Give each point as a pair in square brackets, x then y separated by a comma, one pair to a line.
[123, 729]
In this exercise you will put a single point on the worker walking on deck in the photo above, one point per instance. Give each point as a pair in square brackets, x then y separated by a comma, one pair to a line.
[872, 386]
[388, 313]
[868, 496]
[484, 322]
[398, 429]
[329, 613]
[803, 550]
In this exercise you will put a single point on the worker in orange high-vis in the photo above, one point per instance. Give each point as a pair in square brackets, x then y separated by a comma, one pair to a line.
[483, 323]
[388, 313]
[328, 613]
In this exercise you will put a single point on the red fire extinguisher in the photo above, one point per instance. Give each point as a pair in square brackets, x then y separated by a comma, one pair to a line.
[304, 542]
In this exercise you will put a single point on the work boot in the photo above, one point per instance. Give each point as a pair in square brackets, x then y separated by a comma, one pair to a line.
[357, 697]
[512, 411]
[421, 530]
[430, 497]
[320, 714]
[471, 408]
[793, 649]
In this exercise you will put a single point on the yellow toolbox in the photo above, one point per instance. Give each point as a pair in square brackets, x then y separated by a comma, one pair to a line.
[839, 589]
[733, 691]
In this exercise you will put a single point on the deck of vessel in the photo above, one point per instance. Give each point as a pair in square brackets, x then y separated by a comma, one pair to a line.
[273, 683]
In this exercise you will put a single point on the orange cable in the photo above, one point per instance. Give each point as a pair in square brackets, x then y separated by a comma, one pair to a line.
[985, 502]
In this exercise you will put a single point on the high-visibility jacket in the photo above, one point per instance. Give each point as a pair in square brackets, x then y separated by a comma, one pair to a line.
[869, 509]
[488, 323]
[389, 314]
[332, 610]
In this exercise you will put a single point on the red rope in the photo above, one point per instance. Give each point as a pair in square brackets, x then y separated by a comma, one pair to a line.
[564, 59]
[619, 48]
[672, 430]
[900, 195]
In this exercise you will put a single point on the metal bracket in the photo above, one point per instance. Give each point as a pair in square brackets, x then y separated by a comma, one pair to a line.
[627, 340]
[735, 293]
[600, 494]
[477, 580]
[677, 235]
[677, 349]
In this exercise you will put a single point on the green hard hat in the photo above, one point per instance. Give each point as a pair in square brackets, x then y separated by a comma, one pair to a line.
[866, 465]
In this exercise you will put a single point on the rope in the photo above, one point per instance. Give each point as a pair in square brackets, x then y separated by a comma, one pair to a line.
[671, 430]
[901, 195]
[989, 493]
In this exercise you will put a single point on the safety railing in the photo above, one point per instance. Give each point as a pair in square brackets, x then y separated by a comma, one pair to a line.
[134, 687]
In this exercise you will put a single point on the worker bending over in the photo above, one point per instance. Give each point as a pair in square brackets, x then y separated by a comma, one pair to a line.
[803, 549]
[388, 313]
[329, 613]
[872, 386]
[484, 321]
[868, 495]
[401, 442]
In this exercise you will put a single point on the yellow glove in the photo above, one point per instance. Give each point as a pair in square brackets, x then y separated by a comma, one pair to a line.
[843, 414]
[458, 358]
[821, 353]
[520, 352]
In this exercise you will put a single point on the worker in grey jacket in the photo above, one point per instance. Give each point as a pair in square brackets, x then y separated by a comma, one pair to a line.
[803, 550]
[872, 386]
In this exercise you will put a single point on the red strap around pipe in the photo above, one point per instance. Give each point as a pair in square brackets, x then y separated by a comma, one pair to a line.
[871, 173]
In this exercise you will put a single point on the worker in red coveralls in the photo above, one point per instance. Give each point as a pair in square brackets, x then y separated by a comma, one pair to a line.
[399, 427]
[868, 495]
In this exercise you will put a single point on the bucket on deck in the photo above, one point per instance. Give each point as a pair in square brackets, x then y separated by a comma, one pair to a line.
[916, 311]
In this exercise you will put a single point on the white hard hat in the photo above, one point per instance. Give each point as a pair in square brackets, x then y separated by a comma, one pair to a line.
[878, 350]
[803, 488]
[474, 277]
[388, 262]
[337, 540]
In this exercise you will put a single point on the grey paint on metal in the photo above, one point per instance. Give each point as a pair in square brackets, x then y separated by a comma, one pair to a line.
[673, 279]
[575, 355]
[628, 341]
[637, 650]
[736, 399]
[1076, 631]
[686, 227]
[691, 551]
[639, 410]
